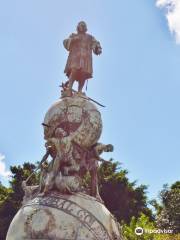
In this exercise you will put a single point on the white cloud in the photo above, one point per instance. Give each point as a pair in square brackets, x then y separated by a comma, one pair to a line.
[3, 171]
[173, 15]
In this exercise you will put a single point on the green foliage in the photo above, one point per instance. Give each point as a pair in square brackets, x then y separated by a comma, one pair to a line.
[20, 174]
[11, 198]
[167, 237]
[123, 198]
[4, 193]
[169, 216]
[144, 222]
[5, 214]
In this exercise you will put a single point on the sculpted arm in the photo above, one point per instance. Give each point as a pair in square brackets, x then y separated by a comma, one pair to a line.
[100, 148]
[96, 46]
[67, 42]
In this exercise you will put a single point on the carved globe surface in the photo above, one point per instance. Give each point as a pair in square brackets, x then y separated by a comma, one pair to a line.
[64, 217]
[78, 117]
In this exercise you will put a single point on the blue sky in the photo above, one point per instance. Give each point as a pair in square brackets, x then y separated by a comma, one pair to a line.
[136, 77]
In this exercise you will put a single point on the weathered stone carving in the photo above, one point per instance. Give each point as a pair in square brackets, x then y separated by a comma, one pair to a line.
[72, 127]
[64, 217]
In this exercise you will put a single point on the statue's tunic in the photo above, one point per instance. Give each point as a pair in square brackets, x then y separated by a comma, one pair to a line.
[80, 55]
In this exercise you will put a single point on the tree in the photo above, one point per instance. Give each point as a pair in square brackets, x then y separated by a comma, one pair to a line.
[123, 198]
[144, 222]
[150, 230]
[11, 198]
[167, 237]
[169, 214]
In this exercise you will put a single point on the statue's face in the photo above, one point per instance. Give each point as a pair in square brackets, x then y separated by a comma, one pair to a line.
[82, 28]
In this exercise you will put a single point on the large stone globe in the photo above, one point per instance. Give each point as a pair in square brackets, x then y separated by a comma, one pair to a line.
[76, 116]
[64, 217]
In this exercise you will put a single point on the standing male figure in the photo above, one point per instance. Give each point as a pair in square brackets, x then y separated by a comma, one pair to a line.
[79, 64]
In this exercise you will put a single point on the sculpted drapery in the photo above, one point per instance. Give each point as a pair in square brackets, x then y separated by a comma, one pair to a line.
[79, 63]
[80, 47]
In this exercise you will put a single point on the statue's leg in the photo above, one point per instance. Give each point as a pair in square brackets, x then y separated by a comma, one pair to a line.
[74, 168]
[94, 183]
[56, 165]
[81, 85]
[72, 78]
[50, 179]
[94, 180]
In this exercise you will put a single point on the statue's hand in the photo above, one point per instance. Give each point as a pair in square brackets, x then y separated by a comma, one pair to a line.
[109, 148]
[99, 50]
[51, 143]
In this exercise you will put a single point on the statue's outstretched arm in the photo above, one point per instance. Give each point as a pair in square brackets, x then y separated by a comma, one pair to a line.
[100, 148]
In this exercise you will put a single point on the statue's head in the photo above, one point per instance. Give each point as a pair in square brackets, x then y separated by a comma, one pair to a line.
[81, 27]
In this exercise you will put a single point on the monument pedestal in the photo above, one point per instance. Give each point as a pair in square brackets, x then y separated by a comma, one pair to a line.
[64, 217]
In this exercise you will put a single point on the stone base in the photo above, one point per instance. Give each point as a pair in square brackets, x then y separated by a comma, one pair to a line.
[64, 217]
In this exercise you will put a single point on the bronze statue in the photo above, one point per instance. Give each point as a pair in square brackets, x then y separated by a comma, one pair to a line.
[79, 64]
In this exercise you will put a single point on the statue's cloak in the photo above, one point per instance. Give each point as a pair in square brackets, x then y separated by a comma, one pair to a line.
[80, 55]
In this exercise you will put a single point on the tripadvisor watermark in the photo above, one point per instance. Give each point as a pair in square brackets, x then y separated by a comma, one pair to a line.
[139, 231]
